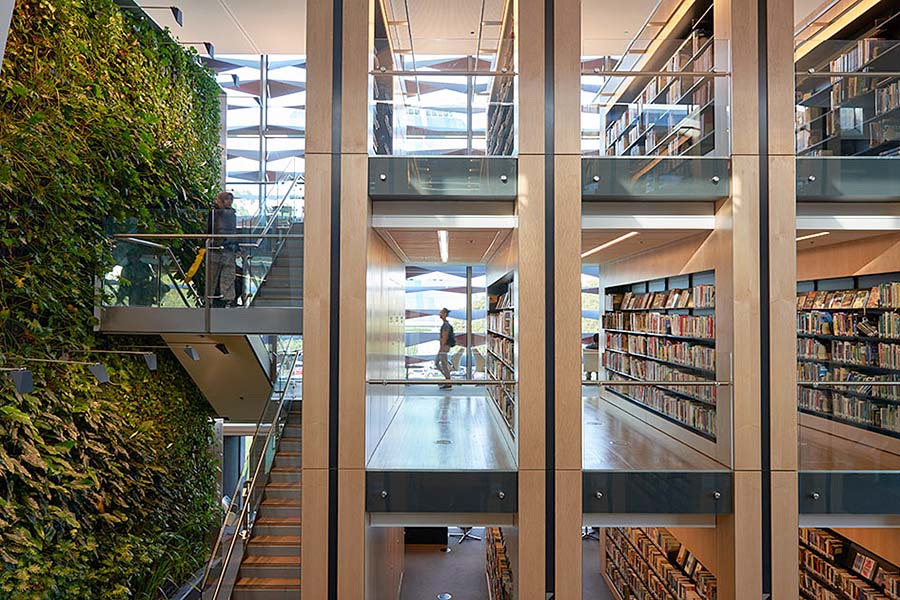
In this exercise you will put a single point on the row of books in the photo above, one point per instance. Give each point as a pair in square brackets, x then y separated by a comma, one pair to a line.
[887, 98]
[840, 578]
[699, 417]
[821, 372]
[695, 55]
[823, 542]
[631, 584]
[501, 301]
[648, 370]
[684, 138]
[503, 397]
[881, 355]
[848, 324]
[875, 577]
[858, 56]
[685, 560]
[695, 326]
[502, 347]
[683, 353]
[501, 322]
[671, 570]
[886, 295]
[884, 131]
[497, 564]
[850, 408]
[700, 296]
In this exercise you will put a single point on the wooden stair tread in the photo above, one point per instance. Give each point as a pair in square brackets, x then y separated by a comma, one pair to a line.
[266, 583]
[274, 561]
[278, 521]
[276, 540]
[277, 502]
[284, 485]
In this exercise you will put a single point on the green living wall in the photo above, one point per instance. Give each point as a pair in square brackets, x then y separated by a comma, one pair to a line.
[105, 491]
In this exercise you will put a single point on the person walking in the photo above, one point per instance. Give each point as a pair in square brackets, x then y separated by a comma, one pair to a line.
[222, 251]
[448, 340]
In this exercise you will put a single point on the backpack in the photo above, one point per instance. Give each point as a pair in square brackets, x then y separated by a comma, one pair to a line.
[451, 337]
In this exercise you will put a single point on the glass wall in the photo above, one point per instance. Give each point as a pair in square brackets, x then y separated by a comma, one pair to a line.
[461, 290]
[453, 95]
[265, 117]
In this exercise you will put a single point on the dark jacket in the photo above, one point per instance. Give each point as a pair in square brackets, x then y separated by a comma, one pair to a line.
[224, 221]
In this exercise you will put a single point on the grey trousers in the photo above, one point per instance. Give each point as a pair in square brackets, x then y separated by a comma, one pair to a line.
[221, 275]
[442, 364]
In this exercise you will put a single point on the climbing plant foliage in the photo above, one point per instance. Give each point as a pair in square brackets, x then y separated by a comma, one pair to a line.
[105, 491]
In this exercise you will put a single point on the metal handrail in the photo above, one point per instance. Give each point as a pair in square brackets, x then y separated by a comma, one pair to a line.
[616, 383]
[441, 381]
[848, 383]
[274, 217]
[248, 489]
[166, 249]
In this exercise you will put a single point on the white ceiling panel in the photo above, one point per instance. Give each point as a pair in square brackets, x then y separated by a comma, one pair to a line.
[239, 26]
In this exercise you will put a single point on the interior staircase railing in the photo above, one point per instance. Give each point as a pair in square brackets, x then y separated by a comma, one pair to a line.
[147, 269]
[227, 552]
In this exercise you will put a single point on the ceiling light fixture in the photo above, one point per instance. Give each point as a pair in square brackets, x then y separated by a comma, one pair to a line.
[444, 244]
[192, 353]
[813, 235]
[606, 245]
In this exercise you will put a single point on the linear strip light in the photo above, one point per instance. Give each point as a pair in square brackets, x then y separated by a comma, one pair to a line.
[444, 244]
[813, 235]
[606, 245]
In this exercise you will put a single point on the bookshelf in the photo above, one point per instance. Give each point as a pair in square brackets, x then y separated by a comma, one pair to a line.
[832, 566]
[672, 114]
[664, 330]
[849, 330]
[652, 564]
[852, 115]
[497, 565]
[501, 349]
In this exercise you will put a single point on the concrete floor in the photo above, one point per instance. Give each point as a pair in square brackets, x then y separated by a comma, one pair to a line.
[460, 573]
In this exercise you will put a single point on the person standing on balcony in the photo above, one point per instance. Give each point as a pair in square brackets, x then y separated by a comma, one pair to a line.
[448, 340]
[222, 251]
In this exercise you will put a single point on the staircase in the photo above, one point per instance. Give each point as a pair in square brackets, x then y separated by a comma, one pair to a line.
[270, 569]
[283, 286]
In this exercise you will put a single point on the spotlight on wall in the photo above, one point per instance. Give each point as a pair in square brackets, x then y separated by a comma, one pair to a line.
[610, 243]
[222, 348]
[98, 370]
[176, 12]
[150, 359]
[444, 244]
[192, 353]
[22, 379]
[813, 235]
[208, 46]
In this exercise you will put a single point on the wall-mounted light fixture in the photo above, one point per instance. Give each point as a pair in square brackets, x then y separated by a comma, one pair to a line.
[98, 370]
[21, 378]
[176, 12]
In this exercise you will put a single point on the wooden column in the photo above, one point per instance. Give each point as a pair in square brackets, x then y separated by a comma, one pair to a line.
[762, 282]
[355, 216]
[782, 298]
[316, 300]
[530, 209]
[567, 292]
